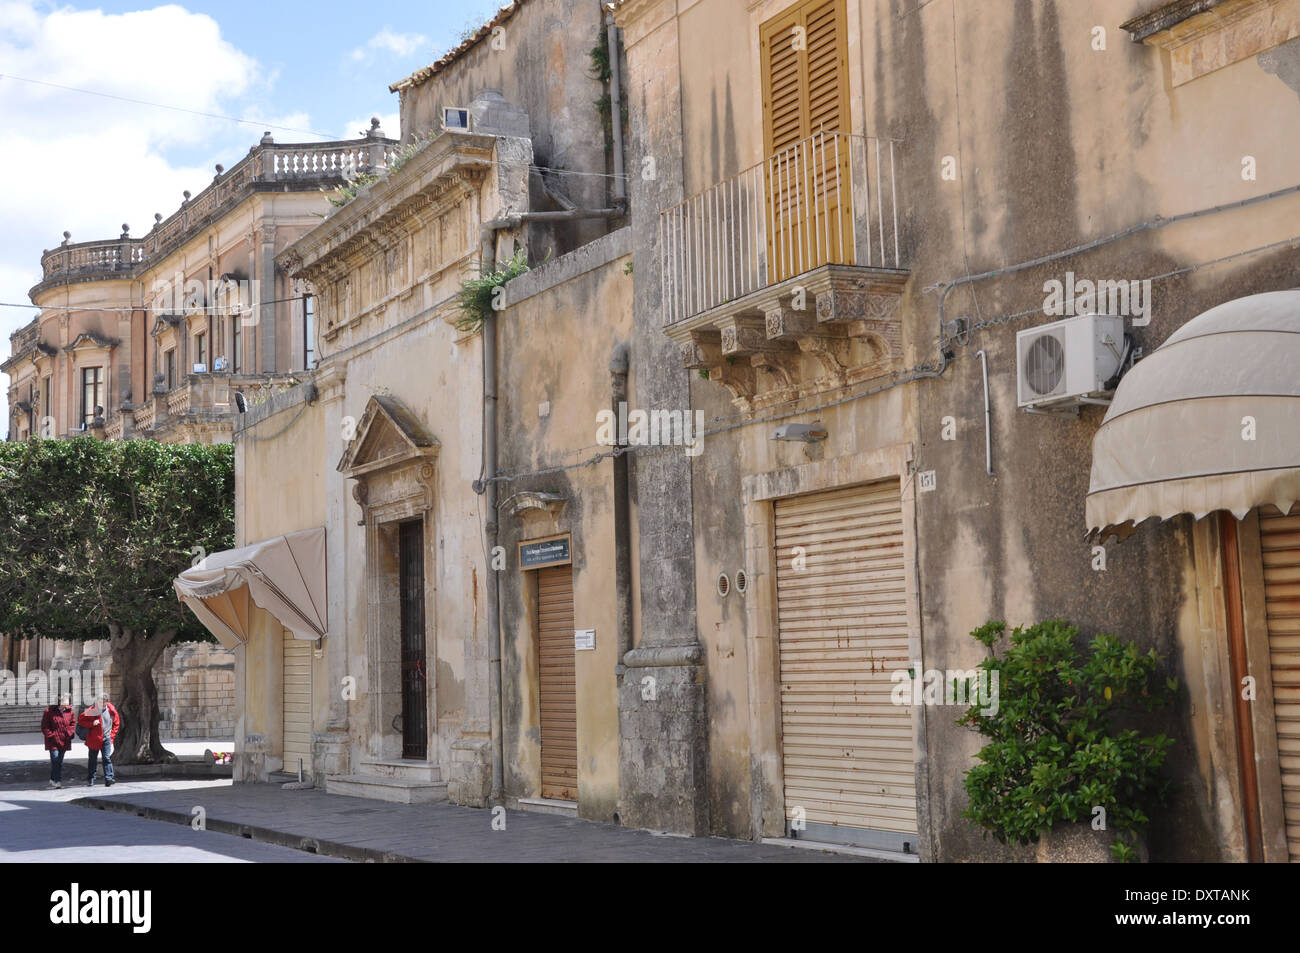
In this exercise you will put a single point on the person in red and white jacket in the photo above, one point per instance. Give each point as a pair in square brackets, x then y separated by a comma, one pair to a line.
[103, 723]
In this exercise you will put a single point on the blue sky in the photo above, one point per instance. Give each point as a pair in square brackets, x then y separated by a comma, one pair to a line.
[88, 164]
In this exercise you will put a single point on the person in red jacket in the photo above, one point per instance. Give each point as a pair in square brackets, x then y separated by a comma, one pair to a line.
[103, 721]
[58, 725]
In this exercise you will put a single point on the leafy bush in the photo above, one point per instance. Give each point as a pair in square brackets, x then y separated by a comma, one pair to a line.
[478, 296]
[1055, 751]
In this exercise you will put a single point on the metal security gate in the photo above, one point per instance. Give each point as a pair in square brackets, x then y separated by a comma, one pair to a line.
[848, 752]
[557, 689]
[297, 703]
[1279, 538]
[411, 594]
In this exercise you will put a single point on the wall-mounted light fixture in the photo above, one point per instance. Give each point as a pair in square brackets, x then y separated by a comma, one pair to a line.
[808, 433]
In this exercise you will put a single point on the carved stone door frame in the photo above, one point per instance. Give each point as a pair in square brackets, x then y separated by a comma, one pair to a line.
[392, 458]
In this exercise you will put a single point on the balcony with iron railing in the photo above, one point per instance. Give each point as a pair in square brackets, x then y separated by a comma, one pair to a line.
[786, 278]
[268, 166]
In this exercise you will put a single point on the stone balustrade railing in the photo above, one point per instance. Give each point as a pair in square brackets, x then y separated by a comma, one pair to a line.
[211, 394]
[310, 165]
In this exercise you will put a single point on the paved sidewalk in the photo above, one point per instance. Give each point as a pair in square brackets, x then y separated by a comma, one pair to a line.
[39, 825]
[360, 829]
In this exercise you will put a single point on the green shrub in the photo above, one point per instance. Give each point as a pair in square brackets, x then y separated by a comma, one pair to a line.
[1055, 750]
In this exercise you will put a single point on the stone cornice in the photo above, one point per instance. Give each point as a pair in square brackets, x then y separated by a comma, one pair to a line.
[1165, 16]
[451, 165]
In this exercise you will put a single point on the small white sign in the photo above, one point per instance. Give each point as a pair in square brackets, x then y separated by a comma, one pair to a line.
[927, 481]
[584, 640]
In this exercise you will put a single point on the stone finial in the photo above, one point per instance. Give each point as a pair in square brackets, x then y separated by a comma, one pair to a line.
[67, 237]
[374, 132]
[220, 169]
[266, 138]
[157, 219]
[186, 193]
[126, 230]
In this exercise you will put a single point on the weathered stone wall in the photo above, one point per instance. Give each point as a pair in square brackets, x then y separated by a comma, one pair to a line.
[196, 691]
[539, 60]
[556, 338]
[1053, 144]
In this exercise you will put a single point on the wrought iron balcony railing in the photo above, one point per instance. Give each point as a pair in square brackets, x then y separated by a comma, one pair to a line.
[829, 199]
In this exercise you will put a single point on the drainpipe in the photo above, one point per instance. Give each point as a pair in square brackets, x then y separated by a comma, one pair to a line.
[488, 487]
[616, 113]
[618, 365]
[487, 484]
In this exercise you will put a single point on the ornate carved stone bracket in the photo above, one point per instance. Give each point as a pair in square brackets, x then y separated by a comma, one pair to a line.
[765, 350]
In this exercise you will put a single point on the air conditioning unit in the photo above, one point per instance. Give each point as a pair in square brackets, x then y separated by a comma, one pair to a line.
[1068, 362]
[200, 369]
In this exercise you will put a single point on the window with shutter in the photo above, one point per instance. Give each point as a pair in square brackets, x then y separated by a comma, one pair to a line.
[805, 113]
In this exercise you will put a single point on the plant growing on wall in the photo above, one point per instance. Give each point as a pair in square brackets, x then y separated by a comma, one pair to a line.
[95, 533]
[478, 296]
[1056, 749]
[351, 187]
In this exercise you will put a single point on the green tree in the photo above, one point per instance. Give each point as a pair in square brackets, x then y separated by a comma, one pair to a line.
[92, 533]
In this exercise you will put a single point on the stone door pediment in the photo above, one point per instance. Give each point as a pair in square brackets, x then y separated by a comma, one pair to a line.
[388, 436]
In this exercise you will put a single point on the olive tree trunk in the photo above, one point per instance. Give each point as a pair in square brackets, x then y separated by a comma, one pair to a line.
[134, 657]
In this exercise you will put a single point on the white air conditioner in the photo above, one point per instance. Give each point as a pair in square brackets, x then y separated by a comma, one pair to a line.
[1068, 362]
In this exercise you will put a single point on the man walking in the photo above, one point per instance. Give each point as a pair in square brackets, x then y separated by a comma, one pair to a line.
[103, 722]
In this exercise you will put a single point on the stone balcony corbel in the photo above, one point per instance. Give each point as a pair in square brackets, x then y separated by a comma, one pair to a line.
[831, 327]
[702, 351]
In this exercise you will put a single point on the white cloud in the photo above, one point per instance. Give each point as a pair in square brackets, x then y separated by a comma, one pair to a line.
[399, 45]
[89, 163]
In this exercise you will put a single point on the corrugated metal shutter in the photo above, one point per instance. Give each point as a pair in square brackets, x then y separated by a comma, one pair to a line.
[557, 691]
[297, 703]
[848, 752]
[1280, 543]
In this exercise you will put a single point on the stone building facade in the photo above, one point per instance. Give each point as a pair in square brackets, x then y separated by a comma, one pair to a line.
[152, 337]
[837, 223]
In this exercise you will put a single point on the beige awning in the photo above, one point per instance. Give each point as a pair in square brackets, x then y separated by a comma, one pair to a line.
[284, 575]
[1209, 421]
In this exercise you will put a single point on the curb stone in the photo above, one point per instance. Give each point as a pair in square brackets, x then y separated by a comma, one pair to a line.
[266, 835]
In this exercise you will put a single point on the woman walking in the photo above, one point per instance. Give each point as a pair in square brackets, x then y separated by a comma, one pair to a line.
[58, 725]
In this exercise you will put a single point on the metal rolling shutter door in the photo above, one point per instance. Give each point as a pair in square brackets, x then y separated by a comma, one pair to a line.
[1280, 543]
[848, 751]
[297, 703]
[557, 683]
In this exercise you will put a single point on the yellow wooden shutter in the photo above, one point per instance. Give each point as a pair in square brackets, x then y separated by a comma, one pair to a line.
[806, 101]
